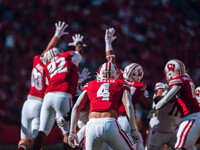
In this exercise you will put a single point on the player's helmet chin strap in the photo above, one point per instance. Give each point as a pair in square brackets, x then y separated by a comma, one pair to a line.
[172, 92]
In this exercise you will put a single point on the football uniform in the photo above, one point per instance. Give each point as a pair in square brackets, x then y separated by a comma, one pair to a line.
[62, 74]
[32, 106]
[105, 95]
[164, 123]
[136, 90]
[163, 127]
[188, 106]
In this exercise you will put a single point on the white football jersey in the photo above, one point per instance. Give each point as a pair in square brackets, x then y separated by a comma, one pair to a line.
[167, 119]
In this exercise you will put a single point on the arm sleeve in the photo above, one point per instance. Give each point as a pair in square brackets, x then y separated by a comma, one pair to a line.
[172, 92]
[76, 58]
[130, 110]
[76, 111]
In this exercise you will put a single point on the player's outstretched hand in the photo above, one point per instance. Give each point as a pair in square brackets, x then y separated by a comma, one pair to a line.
[77, 38]
[73, 138]
[60, 29]
[85, 74]
[135, 136]
[61, 121]
[109, 35]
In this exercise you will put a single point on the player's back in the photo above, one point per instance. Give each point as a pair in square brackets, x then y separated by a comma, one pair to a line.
[186, 98]
[62, 74]
[37, 88]
[105, 94]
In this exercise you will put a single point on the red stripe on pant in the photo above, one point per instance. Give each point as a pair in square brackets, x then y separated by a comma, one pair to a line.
[183, 133]
[187, 133]
[125, 137]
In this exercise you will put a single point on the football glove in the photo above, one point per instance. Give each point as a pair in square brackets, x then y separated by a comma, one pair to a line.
[77, 38]
[135, 136]
[109, 36]
[60, 29]
[85, 74]
[72, 139]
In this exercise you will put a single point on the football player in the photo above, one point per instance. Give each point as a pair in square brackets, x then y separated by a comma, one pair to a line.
[183, 89]
[164, 123]
[133, 73]
[104, 95]
[62, 75]
[31, 107]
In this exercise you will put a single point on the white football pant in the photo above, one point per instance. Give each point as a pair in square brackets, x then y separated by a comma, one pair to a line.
[123, 121]
[55, 104]
[30, 118]
[108, 130]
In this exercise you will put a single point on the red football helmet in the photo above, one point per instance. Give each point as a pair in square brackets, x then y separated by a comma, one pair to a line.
[50, 54]
[133, 72]
[108, 71]
[174, 68]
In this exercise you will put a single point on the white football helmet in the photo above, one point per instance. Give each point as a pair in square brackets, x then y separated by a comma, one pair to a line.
[174, 68]
[108, 71]
[197, 92]
[133, 72]
[50, 54]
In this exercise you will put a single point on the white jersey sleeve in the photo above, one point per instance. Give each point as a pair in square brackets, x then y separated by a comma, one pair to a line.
[76, 58]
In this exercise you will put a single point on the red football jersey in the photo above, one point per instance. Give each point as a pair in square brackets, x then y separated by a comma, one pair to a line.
[136, 90]
[105, 94]
[186, 101]
[37, 78]
[62, 74]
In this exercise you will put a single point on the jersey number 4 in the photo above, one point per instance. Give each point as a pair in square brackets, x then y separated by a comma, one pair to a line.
[103, 92]
[57, 67]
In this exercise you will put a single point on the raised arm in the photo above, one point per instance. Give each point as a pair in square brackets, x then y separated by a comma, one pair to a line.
[109, 38]
[60, 27]
[126, 100]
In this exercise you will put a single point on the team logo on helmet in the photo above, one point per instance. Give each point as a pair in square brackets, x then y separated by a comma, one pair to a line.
[197, 92]
[133, 72]
[108, 71]
[174, 68]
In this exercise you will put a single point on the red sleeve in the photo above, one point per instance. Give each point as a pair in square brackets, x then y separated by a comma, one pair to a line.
[126, 86]
[85, 87]
[175, 81]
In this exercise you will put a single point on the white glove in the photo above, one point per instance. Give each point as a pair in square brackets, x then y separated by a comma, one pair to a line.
[61, 121]
[109, 36]
[60, 29]
[135, 136]
[85, 74]
[72, 139]
[77, 38]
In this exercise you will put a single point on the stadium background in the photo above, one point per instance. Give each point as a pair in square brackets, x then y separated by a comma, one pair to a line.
[149, 32]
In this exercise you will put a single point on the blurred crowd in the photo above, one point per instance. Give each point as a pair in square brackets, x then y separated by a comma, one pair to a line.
[149, 32]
